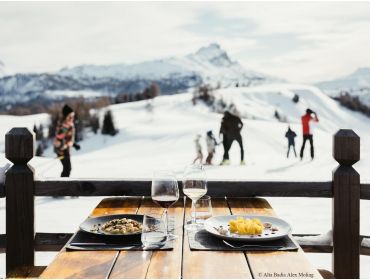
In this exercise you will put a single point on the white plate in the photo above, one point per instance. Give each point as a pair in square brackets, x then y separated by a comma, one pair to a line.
[216, 221]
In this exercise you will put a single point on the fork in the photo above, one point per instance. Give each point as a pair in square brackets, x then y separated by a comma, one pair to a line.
[252, 246]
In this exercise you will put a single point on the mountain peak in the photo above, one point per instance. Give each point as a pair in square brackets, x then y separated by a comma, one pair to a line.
[214, 54]
[362, 71]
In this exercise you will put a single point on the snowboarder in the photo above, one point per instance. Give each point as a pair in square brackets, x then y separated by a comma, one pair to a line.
[211, 146]
[307, 135]
[198, 150]
[290, 134]
[231, 126]
[65, 139]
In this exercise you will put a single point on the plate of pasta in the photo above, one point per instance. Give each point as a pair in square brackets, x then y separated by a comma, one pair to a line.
[247, 227]
[113, 225]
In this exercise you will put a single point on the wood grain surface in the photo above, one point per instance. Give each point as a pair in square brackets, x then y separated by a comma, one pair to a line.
[181, 262]
[89, 264]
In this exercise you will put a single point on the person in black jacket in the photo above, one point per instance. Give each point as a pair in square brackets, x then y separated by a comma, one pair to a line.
[290, 134]
[231, 126]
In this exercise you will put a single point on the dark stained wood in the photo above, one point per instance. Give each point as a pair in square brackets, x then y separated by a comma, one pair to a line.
[19, 188]
[213, 264]
[346, 222]
[74, 187]
[19, 145]
[346, 147]
[346, 206]
[271, 264]
[365, 191]
[84, 264]
[2, 190]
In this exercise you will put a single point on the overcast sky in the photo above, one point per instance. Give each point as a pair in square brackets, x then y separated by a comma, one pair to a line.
[301, 42]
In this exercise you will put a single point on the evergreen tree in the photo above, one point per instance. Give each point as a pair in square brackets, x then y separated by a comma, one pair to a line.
[108, 124]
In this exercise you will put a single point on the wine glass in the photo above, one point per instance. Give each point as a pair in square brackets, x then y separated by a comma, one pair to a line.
[194, 186]
[165, 192]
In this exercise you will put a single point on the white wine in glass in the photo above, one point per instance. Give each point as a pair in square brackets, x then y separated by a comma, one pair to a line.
[194, 187]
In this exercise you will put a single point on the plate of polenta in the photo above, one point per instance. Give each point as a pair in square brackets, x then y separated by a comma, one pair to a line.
[247, 227]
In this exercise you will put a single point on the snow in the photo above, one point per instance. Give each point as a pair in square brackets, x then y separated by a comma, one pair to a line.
[211, 63]
[365, 242]
[72, 93]
[163, 139]
[358, 79]
[322, 239]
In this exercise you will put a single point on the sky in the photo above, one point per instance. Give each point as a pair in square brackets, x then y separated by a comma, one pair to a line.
[303, 42]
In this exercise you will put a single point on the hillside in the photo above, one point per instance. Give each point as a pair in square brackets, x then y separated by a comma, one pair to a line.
[167, 134]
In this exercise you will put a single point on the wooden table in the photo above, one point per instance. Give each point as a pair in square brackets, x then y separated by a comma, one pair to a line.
[180, 262]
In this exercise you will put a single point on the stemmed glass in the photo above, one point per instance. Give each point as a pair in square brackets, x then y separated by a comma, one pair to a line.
[194, 186]
[165, 192]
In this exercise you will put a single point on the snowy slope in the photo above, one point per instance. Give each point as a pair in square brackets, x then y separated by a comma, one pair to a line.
[165, 136]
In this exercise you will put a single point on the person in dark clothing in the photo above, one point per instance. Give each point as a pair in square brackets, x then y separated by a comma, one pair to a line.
[290, 134]
[307, 135]
[64, 139]
[231, 126]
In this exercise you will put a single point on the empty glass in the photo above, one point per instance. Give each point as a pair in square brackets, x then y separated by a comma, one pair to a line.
[203, 208]
[154, 231]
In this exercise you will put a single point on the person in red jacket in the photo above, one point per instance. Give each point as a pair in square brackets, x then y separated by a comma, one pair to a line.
[307, 135]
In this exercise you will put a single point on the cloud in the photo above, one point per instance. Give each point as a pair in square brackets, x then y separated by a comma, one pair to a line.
[300, 41]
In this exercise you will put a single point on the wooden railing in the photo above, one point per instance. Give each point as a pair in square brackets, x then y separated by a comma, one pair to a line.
[20, 189]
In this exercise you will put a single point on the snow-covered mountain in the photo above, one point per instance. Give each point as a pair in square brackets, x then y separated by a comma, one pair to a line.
[358, 79]
[356, 84]
[209, 64]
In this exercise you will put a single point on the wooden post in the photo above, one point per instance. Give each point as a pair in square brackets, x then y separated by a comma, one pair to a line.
[19, 188]
[346, 206]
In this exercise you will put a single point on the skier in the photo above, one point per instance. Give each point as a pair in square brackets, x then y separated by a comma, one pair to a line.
[64, 139]
[290, 134]
[198, 150]
[307, 135]
[231, 126]
[211, 146]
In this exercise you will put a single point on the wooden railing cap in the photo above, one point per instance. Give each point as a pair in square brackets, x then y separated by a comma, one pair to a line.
[19, 147]
[346, 148]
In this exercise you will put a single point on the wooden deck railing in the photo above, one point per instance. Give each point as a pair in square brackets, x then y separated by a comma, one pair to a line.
[20, 188]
